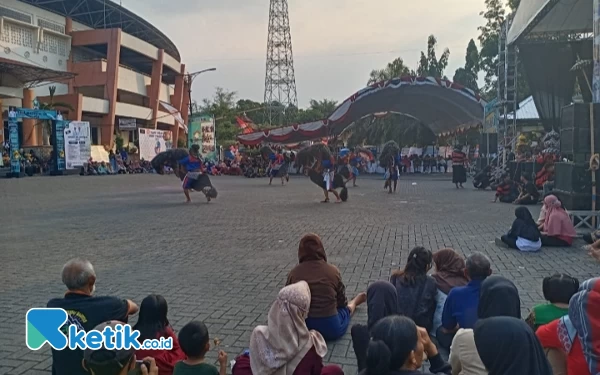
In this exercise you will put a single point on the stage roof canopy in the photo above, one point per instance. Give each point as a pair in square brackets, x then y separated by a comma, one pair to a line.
[440, 104]
[31, 75]
[543, 17]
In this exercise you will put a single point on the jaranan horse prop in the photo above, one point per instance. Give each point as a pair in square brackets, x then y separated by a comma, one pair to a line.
[309, 158]
[171, 159]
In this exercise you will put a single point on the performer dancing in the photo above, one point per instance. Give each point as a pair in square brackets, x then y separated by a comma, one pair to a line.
[393, 173]
[278, 167]
[459, 172]
[318, 165]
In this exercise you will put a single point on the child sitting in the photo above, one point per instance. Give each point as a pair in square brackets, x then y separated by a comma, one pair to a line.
[194, 341]
[558, 290]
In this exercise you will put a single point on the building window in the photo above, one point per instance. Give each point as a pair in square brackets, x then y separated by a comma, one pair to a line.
[95, 135]
[20, 36]
[51, 25]
[5, 12]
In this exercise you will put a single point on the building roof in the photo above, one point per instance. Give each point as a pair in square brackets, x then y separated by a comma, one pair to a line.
[105, 14]
[551, 17]
[31, 75]
[527, 111]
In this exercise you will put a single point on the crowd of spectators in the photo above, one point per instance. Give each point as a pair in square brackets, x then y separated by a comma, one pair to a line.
[441, 308]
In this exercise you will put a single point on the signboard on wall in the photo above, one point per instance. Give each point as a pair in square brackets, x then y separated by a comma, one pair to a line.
[153, 142]
[127, 124]
[202, 133]
[78, 143]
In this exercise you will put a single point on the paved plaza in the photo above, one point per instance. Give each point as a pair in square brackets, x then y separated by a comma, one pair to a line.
[224, 262]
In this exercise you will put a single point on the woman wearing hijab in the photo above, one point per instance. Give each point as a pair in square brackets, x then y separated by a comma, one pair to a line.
[330, 310]
[577, 334]
[498, 297]
[507, 346]
[449, 273]
[285, 346]
[524, 234]
[557, 230]
[382, 301]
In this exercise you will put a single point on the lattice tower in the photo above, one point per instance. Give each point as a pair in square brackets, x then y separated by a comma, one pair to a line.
[280, 81]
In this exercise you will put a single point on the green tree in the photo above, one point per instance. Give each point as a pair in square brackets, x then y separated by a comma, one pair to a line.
[429, 64]
[467, 75]
[488, 41]
[317, 110]
[394, 69]
[222, 108]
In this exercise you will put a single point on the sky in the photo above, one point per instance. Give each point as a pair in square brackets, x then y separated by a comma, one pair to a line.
[336, 43]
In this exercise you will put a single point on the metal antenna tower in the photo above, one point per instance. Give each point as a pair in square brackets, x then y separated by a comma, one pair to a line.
[280, 81]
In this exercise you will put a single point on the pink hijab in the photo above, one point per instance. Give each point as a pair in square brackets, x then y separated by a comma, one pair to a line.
[278, 348]
[557, 221]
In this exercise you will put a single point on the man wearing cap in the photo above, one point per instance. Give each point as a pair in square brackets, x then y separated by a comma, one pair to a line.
[105, 361]
[85, 311]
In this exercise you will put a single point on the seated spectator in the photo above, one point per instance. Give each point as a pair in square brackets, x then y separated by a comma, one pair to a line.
[382, 301]
[499, 297]
[416, 290]
[482, 179]
[85, 311]
[558, 229]
[102, 169]
[286, 345]
[575, 334]
[194, 341]
[507, 191]
[529, 193]
[594, 250]
[558, 290]
[330, 311]
[398, 346]
[115, 361]
[524, 234]
[507, 346]
[449, 273]
[544, 175]
[121, 168]
[153, 324]
[460, 309]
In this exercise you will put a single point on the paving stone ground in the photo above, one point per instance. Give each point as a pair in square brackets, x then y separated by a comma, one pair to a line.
[224, 262]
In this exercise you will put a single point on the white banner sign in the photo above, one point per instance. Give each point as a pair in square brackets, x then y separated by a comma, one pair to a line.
[153, 142]
[78, 144]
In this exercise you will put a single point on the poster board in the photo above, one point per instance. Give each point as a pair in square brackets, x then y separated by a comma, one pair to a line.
[153, 142]
[78, 143]
[202, 133]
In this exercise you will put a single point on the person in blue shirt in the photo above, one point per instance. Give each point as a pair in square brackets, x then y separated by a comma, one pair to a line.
[193, 166]
[460, 309]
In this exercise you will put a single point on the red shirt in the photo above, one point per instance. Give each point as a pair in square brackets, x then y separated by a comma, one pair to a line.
[311, 364]
[165, 359]
[548, 336]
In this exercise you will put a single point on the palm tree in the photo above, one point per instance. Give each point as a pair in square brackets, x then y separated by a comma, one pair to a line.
[51, 106]
[394, 69]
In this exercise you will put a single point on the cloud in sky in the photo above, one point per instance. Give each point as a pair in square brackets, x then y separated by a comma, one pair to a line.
[336, 43]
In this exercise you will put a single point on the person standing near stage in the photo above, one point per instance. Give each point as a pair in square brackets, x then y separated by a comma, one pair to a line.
[459, 172]
[394, 172]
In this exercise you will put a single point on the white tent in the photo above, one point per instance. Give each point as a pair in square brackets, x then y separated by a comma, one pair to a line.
[543, 17]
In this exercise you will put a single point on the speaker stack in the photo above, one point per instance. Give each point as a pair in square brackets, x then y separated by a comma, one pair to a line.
[573, 180]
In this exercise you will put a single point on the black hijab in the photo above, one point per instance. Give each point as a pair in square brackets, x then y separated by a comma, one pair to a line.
[524, 214]
[507, 346]
[382, 301]
[498, 296]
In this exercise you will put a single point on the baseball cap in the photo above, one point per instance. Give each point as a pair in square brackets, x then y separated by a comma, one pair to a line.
[105, 361]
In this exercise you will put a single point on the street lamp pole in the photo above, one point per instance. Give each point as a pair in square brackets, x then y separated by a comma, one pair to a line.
[189, 77]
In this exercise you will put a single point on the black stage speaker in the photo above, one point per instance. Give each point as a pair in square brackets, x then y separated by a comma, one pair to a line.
[573, 185]
[575, 142]
[493, 144]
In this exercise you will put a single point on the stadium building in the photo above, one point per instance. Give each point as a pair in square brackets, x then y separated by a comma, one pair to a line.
[111, 66]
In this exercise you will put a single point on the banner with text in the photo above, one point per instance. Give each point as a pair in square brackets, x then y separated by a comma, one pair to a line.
[153, 142]
[78, 144]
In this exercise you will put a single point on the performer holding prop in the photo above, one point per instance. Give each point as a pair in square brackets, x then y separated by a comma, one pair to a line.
[318, 166]
[390, 160]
